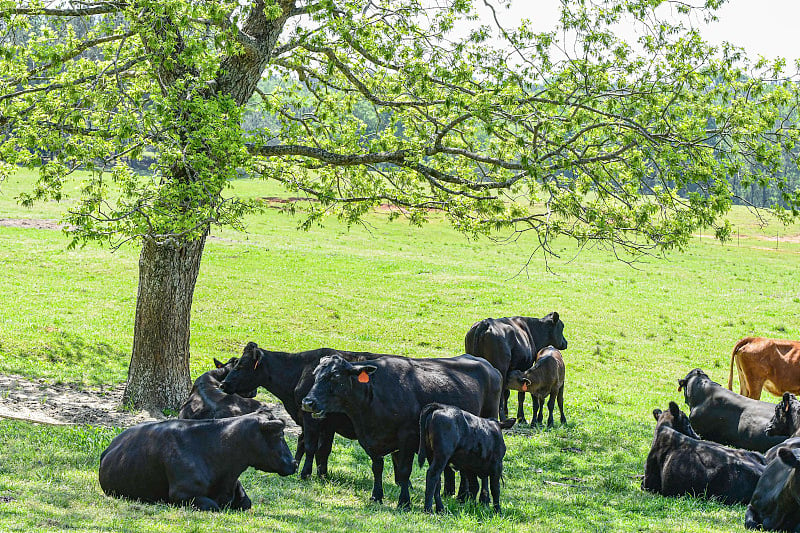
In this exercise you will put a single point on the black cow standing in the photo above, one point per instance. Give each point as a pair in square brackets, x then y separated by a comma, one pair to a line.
[473, 445]
[511, 343]
[206, 400]
[384, 398]
[680, 464]
[725, 417]
[290, 376]
[194, 462]
[774, 505]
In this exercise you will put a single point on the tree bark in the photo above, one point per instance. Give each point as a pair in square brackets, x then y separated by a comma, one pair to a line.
[158, 376]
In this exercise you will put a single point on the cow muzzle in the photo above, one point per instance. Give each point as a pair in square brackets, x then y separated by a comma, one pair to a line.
[310, 406]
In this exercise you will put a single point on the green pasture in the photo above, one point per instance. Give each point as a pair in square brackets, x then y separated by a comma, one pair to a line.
[67, 316]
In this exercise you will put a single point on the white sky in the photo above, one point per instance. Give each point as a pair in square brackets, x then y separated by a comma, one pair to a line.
[761, 27]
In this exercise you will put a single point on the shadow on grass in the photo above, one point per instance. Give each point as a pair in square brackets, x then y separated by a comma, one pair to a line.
[68, 358]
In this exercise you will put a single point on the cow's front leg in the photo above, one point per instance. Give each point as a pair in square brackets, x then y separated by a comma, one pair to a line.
[240, 501]
[403, 463]
[377, 479]
[324, 449]
[311, 441]
[504, 404]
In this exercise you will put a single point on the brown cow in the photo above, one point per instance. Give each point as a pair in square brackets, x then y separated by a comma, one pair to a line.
[766, 363]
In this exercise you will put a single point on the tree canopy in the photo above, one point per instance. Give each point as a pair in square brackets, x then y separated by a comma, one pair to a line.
[419, 104]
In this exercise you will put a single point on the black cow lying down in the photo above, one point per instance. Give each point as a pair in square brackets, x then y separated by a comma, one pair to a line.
[473, 445]
[206, 400]
[722, 416]
[774, 505]
[194, 462]
[384, 398]
[680, 464]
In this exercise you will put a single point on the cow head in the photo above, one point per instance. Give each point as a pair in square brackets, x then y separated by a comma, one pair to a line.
[556, 339]
[789, 458]
[271, 449]
[223, 369]
[687, 384]
[335, 383]
[785, 420]
[675, 419]
[516, 380]
[247, 373]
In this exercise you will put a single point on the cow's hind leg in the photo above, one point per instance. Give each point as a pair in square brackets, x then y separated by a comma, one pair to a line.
[311, 429]
[449, 481]
[432, 483]
[560, 399]
[521, 408]
[484, 497]
[551, 405]
[402, 474]
[495, 486]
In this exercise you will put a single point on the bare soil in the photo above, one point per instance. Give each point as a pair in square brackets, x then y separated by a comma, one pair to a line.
[36, 400]
[31, 223]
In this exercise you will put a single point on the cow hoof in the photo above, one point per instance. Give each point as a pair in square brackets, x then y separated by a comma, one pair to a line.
[522, 420]
[404, 506]
[376, 500]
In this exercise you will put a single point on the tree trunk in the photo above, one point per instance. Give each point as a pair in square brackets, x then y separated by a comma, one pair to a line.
[158, 376]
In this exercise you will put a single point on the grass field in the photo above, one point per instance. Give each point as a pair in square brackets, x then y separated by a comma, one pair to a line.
[67, 315]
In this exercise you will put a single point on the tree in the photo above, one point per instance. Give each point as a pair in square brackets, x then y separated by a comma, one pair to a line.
[409, 102]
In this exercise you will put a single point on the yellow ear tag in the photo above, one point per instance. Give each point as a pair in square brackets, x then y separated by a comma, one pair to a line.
[363, 377]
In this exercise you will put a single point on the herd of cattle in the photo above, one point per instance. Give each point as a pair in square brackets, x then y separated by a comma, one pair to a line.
[446, 410]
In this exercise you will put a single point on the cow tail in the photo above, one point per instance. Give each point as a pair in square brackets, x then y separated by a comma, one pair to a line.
[424, 418]
[736, 348]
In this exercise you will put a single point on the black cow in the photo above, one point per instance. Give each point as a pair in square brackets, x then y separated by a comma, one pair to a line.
[473, 445]
[792, 443]
[785, 419]
[545, 378]
[384, 399]
[774, 506]
[194, 462]
[206, 400]
[722, 416]
[289, 376]
[680, 464]
[511, 343]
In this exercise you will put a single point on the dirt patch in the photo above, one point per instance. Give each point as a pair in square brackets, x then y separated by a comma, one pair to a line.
[31, 223]
[36, 400]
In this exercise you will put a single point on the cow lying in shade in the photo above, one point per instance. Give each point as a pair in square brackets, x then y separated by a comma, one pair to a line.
[774, 506]
[206, 400]
[722, 416]
[680, 464]
[194, 462]
[786, 417]
[473, 445]
[545, 378]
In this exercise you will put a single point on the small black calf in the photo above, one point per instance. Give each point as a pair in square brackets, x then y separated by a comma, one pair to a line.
[206, 400]
[473, 445]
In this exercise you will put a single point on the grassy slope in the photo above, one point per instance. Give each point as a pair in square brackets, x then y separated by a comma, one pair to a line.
[67, 316]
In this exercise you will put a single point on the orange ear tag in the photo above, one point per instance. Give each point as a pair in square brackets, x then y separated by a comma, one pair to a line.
[524, 387]
[363, 377]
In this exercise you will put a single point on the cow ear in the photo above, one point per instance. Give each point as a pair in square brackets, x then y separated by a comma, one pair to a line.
[218, 363]
[555, 316]
[786, 455]
[674, 410]
[657, 413]
[508, 423]
[681, 384]
[272, 426]
[369, 369]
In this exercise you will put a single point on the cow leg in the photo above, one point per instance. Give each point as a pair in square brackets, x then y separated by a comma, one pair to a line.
[495, 486]
[560, 399]
[484, 497]
[463, 487]
[504, 404]
[402, 474]
[474, 488]
[240, 501]
[324, 450]
[540, 414]
[751, 519]
[300, 447]
[432, 482]
[377, 479]
[551, 405]
[311, 429]
[449, 481]
[521, 408]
